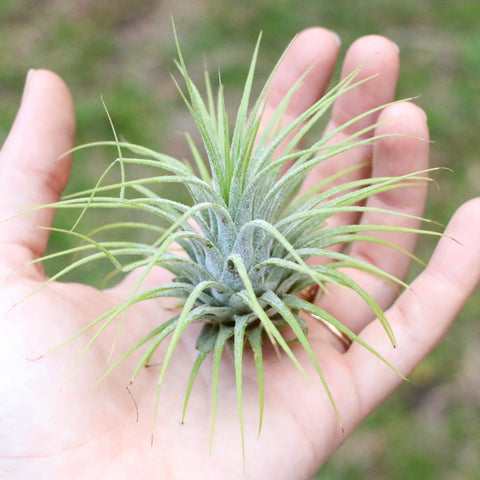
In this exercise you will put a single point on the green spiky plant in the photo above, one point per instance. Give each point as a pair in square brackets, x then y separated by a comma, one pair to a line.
[245, 235]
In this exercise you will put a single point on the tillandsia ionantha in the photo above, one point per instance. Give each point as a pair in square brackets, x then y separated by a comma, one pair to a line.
[240, 248]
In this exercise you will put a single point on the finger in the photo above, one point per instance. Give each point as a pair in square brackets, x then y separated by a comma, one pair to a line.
[31, 172]
[422, 315]
[378, 57]
[404, 150]
[315, 51]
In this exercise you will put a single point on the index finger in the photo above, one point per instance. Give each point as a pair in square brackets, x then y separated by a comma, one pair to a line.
[377, 59]
[312, 53]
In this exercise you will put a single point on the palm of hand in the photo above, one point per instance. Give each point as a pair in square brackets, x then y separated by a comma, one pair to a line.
[60, 420]
[55, 424]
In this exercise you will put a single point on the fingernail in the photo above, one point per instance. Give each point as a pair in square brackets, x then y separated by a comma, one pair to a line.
[29, 74]
[396, 46]
[337, 37]
[26, 85]
[27, 80]
[424, 114]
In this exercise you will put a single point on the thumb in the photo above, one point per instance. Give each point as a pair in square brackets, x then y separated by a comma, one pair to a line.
[31, 172]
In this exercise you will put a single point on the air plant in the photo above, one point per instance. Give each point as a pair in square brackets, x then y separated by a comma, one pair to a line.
[239, 247]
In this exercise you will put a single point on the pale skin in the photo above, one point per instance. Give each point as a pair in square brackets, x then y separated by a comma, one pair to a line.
[55, 425]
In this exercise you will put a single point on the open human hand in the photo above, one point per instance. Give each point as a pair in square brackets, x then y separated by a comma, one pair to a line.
[54, 424]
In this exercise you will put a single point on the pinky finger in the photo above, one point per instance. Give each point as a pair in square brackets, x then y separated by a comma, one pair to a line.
[423, 313]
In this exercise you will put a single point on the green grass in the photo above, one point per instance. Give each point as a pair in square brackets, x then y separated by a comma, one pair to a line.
[123, 50]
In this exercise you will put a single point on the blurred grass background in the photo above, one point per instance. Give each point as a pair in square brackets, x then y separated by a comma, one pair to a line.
[124, 51]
